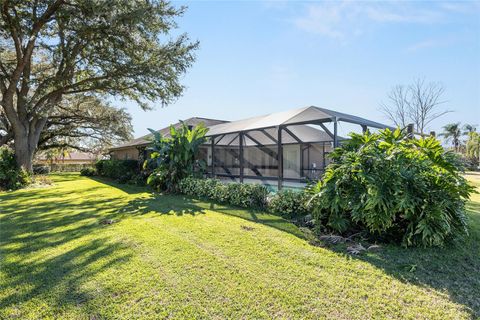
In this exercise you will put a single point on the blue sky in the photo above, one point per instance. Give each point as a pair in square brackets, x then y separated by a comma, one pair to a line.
[259, 57]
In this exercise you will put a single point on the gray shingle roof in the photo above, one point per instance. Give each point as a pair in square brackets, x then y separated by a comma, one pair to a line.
[146, 139]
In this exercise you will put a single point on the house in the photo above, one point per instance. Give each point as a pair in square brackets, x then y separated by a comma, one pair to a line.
[283, 148]
[68, 161]
[136, 149]
[73, 158]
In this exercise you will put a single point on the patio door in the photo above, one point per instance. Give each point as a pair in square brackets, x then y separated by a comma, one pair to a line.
[291, 161]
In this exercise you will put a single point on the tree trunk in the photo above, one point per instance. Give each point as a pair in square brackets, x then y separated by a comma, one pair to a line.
[23, 155]
[26, 141]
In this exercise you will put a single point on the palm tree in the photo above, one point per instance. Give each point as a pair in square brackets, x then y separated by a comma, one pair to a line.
[469, 128]
[452, 132]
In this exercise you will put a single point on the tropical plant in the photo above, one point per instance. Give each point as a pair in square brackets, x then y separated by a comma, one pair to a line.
[453, 132]
[394, 187]
[174, 158]
[469, 128]
[11, 177]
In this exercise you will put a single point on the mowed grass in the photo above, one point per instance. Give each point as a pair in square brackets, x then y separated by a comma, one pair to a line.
[175, 257]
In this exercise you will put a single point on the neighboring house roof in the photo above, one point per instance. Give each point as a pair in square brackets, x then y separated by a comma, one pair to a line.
[290, 117]
[73, 156]
[146, 139]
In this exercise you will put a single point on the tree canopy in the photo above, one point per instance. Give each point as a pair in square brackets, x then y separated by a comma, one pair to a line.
[52, 49]
[85, 123]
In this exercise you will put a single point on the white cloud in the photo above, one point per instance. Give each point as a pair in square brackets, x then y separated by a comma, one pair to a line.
[462, 7]
[325, 19]
[402, 15]
[432, 43]
[338, 20]
[429, 43]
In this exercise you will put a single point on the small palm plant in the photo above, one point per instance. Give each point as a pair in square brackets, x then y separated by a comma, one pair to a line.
[174, 158]
[452, 132]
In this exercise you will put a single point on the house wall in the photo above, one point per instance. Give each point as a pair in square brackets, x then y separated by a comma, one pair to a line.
[125, 154]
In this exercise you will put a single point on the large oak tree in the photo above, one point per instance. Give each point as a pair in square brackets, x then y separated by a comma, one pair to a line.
[50, 49]
[80, 122]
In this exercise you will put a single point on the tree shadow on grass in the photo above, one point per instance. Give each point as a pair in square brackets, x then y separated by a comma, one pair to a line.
[127, 188]
[162, 204]
[454, 269]
[181, 204]
[29, 228]
[63, 274]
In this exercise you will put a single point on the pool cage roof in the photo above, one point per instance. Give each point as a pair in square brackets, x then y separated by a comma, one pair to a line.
[280, 128]
[307, 115]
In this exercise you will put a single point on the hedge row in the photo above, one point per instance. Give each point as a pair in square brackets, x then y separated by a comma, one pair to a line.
[287, 203]
[120, 170]
[290, 203]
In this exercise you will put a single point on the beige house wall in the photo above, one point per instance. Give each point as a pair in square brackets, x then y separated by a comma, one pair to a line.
[125, 154]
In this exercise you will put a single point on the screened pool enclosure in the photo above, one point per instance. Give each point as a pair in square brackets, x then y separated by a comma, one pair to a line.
[284, 148]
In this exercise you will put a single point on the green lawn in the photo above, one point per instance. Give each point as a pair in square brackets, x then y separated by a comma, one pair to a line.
[174, 257]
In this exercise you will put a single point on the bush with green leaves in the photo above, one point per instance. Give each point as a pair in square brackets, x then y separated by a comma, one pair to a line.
[237, 194]
[11, 177]
[173, 158]
[41, 169]
[290, 203]
[247, 195]
[121, 170]
[88, 172]
[400, 189]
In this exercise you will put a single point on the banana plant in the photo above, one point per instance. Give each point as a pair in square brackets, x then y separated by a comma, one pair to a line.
[174, 157]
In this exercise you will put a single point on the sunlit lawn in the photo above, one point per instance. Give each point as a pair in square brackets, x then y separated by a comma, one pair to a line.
[174, 257]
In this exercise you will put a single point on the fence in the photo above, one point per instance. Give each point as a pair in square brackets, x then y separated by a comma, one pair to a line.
[68, 167]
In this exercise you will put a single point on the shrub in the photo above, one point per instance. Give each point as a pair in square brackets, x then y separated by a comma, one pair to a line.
[41, 169]
[120, 170]
[88, 172]
[237, 194]
[11, 177]
[290, 203]
[173, 158]
[247, 195]
[139, 180]
[401, 189]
